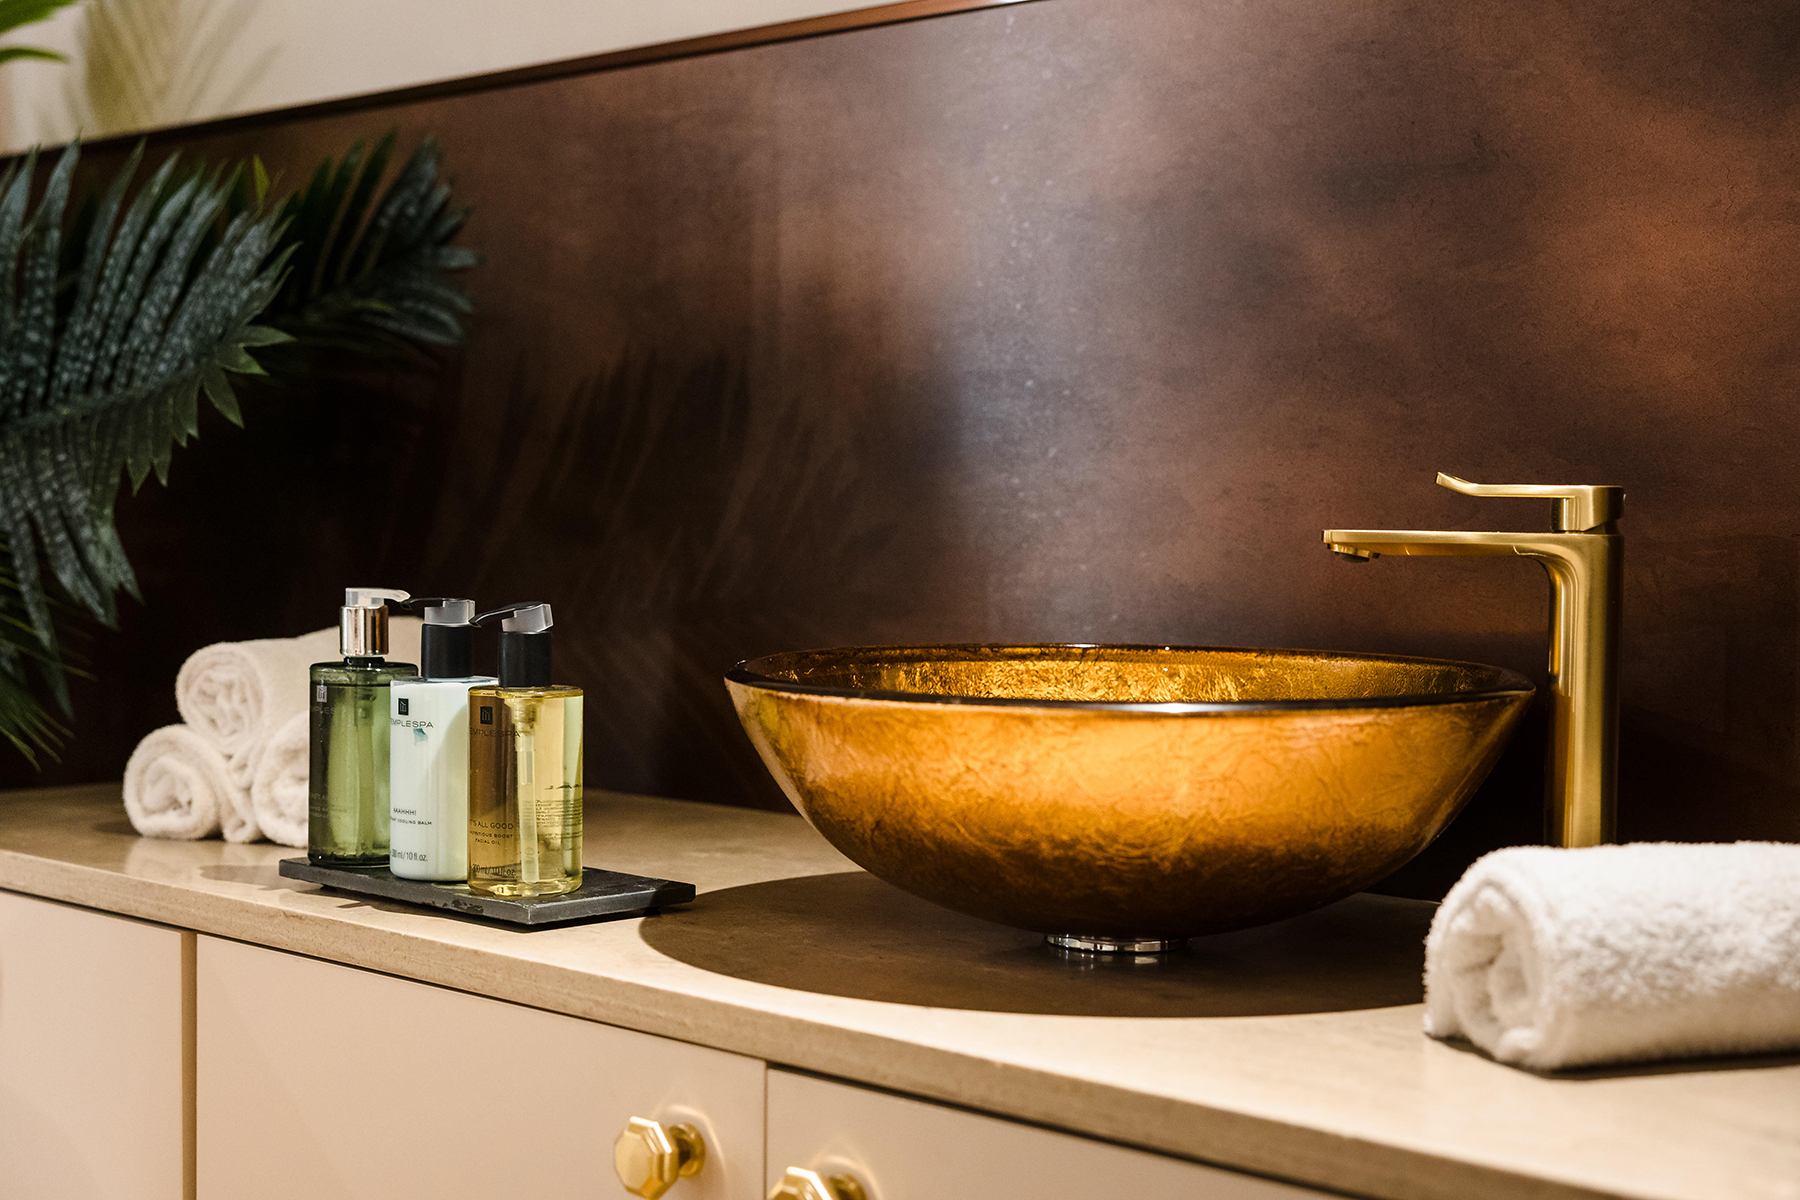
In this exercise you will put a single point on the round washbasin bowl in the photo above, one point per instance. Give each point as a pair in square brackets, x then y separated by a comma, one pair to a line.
[1124, 797]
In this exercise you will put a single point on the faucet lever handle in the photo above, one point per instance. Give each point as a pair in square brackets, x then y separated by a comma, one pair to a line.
[1579, 508]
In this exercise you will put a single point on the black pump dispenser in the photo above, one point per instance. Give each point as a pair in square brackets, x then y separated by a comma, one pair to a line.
[447, 641]
[524, 644]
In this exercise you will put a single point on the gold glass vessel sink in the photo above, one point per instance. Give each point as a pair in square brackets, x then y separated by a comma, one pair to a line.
[1121, 798]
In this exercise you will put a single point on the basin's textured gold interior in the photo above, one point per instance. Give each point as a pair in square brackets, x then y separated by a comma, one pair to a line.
[1126, 791]
[1133, 674]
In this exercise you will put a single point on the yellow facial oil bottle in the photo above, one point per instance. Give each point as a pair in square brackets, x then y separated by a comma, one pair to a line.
[524, 767]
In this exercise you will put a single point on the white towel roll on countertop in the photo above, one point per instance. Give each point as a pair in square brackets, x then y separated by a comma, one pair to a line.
[237, 694]
[177, 785]
[278, 794]
[238, 699]
[1552, 959]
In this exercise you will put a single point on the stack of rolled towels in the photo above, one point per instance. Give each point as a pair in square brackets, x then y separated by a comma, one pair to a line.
[1553, 959]
[237, 764]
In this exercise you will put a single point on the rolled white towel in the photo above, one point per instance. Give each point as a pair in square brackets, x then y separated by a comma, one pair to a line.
[237, 694]
[177, 785]
[1551, 959]
[278, 793]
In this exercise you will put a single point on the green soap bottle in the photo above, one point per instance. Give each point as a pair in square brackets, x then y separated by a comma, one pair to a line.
[347, 779]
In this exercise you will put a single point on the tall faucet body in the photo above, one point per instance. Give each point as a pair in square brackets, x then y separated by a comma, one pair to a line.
[1585, 560]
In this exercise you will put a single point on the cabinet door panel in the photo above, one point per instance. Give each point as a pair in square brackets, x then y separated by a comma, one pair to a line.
[317, 1080]
[903, 1149]
[92, 1057]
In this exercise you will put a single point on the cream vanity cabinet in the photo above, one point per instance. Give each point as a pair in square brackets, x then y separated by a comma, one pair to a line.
[313, 1080]
[316, 1080]
[896, 1148]
[93, 1028]
[319, 1080]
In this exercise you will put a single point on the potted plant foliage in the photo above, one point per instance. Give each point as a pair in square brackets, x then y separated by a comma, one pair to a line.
[121, 315]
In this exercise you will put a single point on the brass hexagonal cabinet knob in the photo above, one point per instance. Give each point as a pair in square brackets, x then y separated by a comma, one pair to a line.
[650, 1156]
[801, 1184]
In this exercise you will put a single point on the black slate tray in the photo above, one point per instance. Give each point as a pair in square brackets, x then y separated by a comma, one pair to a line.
[601, 894]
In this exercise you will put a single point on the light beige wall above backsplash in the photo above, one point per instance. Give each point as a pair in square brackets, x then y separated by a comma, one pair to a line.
[144, 64]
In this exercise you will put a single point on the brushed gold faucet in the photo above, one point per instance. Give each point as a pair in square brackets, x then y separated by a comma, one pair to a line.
[1585, 558]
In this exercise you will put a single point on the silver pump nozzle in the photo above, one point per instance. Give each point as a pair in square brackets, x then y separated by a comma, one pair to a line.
[363, 621]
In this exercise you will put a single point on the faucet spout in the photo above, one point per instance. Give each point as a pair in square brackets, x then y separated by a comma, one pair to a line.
[1586, 569]
[1373, 543]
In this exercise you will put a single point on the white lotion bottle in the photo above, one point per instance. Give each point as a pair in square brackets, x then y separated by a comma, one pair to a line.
[428, 757]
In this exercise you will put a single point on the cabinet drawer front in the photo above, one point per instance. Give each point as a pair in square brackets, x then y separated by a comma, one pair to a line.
[92, 1060]
[317, 1080]
[903, 1149]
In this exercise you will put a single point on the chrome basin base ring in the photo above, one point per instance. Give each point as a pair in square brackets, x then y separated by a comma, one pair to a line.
[1088, 944]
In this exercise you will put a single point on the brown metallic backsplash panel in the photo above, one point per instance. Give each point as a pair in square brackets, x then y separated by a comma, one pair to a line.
[1071, 321]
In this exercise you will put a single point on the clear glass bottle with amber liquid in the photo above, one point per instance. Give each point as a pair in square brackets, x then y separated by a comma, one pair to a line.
[524, 767]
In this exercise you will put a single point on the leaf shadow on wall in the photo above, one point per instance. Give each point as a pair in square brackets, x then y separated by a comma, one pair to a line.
[676, 524]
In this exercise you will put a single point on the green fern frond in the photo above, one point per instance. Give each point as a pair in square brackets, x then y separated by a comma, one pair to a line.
[369, 276]
[148, 63]
[24, 720]
[114, 324]
[106, 383]
[8, 53]
[14, 13]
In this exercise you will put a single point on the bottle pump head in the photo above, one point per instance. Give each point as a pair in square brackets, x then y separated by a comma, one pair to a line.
[524, 644]
[447, 642]
[363, 621]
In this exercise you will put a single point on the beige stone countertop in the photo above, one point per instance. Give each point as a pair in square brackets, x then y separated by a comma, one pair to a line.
[1293, 1051]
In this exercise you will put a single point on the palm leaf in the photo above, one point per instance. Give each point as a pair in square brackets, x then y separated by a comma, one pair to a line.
[104, 382]
[24, 659]
[147, 63]
[23, 719]
[14, 13]
[23, 655]
[113, 325]
[369, 274]
[8, 53]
